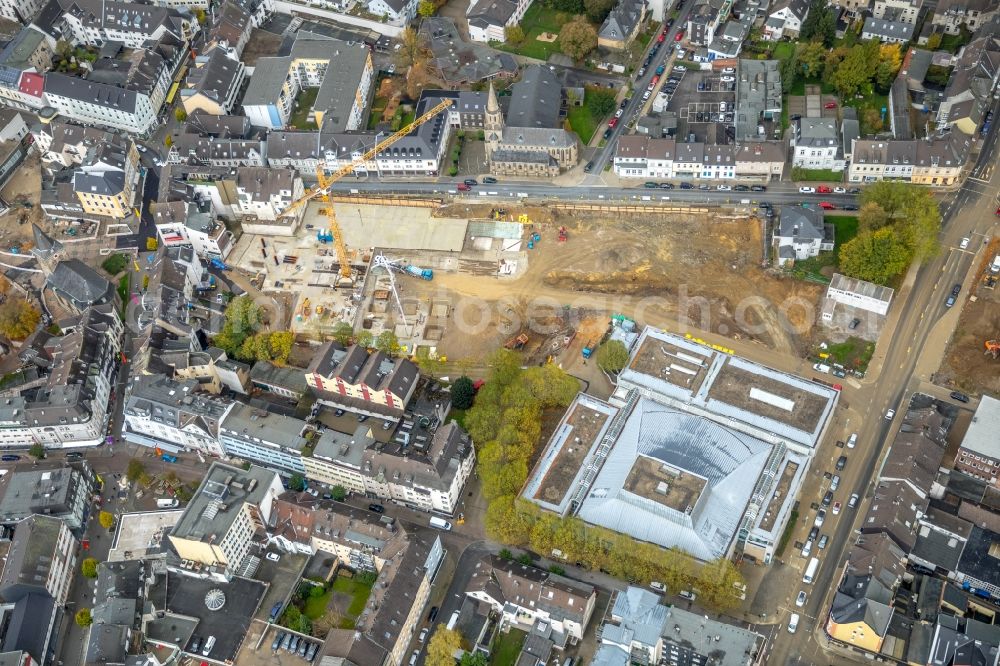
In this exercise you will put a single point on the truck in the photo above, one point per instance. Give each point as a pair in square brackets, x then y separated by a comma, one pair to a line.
[440, 523]
[218, 263]
[810, 573]
[166, 457]
[588, 349]
[422, 273]
[995, 266]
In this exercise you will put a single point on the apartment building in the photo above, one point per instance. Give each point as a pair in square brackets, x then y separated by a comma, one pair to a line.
[213, 83]
[489, 18]
[262, 195]
[70, 408]
[785, 19]
[816, 144]
[63, 144]
[61, 492]
[171, 415]
[21, 62]
[342, 73]
[192, 223]
[523, 595]
[704, 20]
[645, 157]
[96, 22]
[953, 15]
[20, 11]
[979, 453]
[106, 180]
[906, 11]
[362, 381]
[123, 93]
[258, 436]
[972, 84]
[934, 162]
[228, 513]
[232, 28]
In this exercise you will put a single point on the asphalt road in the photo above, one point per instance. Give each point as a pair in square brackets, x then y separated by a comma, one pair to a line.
[970, 213]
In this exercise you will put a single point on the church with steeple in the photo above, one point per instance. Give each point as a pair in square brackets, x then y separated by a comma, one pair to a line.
[529, 140]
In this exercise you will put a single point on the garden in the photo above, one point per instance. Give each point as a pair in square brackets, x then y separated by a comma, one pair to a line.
[324, 605]
[538, 20]
[585, 119]
[821, 267]
[303, 107]
[507, 647]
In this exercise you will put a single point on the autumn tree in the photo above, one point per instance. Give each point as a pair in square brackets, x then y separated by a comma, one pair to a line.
[875, 256]
[411, 50]
[598, 10]
[810, 56]
[934, 41]
[134, 470]
[612, 356]
[872, 216]
[180, 114]
[88, 568]
[871, 120]
[363, 338]
[83, 618]
[462, 393]
[514, 34]
[442, 647]
[718, 581]
[890, 59]
[243, 320]
[18, 318]
[577, 38]
[388, 343]
[426, 8]
[107, 520]
[854, 73]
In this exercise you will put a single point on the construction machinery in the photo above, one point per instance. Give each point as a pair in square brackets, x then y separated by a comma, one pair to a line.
[517, 341]
[325, 181]
[563, 235]
[588, 349]
[993, 348]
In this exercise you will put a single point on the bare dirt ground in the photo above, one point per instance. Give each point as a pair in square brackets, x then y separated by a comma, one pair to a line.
[966, 365]
[24, 187]
[678, 271]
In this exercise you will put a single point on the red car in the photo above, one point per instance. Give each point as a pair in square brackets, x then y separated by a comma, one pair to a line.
[824, 189]
[830, 105]
[662, 37]
[826, 205]
[655, 79]
[612, 123]
[679, 36]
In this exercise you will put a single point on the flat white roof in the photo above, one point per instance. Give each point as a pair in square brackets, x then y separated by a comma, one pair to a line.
[982, 436]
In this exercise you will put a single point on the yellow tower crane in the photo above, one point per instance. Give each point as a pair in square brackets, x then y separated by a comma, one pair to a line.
[325, 182]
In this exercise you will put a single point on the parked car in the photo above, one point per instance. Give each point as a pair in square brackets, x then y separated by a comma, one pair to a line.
[589, 167]
[687, 186]
[956, 289]
[823, 540]
[640, 73]
[820, 518]
[848, 207]
[961, 397]
[758, 188]
[890, 414]
[800, 600]
[807, 548]
[834, 482]
[679, 36]
[853, 502]
[854, 323]
[471, 182]
[9, 457]
[826, 205]
[852, 441]
[377, 508]
[685, 594]
[727, 79]
[824, 189]
[836, 508]
[276, 643]
[827, 498]
[813, 533]
[740, 188]
[807, 190]
[830, 105]
[666, 186]
[840, 190]
[854, 190]
[964, 244]
[793, 623]
[650, 185]
[841, 463]
[423, 635]
[613, 122]
[274, 557]
[724, 188]
[490, 180]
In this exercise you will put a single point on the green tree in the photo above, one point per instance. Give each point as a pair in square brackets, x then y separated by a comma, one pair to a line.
[913, 211]
[514, 34]
[474, 659]
[338, 493]
[297, 482]
[426, 8]
[442, 647]
[342, 332]
[18, 318]
[83, 618]
[871, 121]
[37, 451]
[463, 393]
[151, 244]
[243, 319]
[875, 256]
[612, 356]
[577, 38]
[428, 364]
[363, 338]
[934, 41]
[107, 520]
[411, 52]
[134, 470]
[598, 10]
[789, 71]
[872, 216]
[201, 16]
[180, 114]
[600, 101]
[833, 59]
[387, 343]
[854, 73]
[89, 568]
[718, 581]
[280, 345]
[168, 141]
[819, 26]
[811, 56]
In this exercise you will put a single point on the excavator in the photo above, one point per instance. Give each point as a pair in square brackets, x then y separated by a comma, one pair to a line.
[993, 347]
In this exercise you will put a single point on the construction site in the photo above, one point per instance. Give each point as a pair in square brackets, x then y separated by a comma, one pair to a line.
[462, 280]
[972, 361]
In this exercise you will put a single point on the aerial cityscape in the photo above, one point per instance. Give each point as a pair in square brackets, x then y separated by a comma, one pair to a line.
[499, 332]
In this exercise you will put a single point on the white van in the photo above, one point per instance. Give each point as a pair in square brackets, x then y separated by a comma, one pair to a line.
[167, 503]
[658, 586]
[440, 523]
[793, 623]
[821, 367]
[209, 644]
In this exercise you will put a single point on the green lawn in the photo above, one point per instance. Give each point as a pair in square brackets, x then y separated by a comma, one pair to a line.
[359, 593]
[952, 43]
[123, 291]
[853, 353]
[783, 51]
[846, 227]
[303, 105]
[872, 101]
[115, 264]
[799, 87]
[817, 175]
[458, 416]
[583, 123]
[786, 536]
[315, 607]
[537, 19]
[507, 647]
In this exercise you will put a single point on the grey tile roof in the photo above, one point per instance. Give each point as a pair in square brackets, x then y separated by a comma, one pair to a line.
[80, 283]
[492, 12]
[214, 77]
[458, 61]
[884, 29]
[336, 93]
[268, 77]
[100, 94]
[535, 99]
[802, 224]
[622, 20]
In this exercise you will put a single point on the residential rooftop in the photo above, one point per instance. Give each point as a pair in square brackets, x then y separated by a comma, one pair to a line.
[982, 436]
[218, 500]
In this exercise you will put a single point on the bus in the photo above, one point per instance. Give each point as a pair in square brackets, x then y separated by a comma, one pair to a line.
[810, 574]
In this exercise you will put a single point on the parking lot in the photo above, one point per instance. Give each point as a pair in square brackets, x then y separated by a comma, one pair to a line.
[705, 106]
